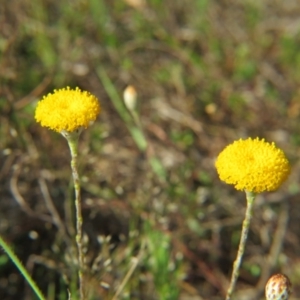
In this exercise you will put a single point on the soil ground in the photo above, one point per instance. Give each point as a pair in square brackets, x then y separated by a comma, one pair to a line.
[206, 73]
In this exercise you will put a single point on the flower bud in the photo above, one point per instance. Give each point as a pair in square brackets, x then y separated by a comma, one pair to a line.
[278, 287]
[129, 97]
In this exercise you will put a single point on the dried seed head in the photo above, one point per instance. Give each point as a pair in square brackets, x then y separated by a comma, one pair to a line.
[278, 287]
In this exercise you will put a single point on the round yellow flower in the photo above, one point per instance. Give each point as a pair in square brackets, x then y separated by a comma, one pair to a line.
[67, 110]
[253, 165]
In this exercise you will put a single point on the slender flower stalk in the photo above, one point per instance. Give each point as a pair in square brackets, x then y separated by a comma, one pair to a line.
[72, 139]
[244, 235]
[254, 166]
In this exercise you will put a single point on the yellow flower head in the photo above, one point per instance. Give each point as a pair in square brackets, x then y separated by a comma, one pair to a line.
[253, 165]
[67, 110]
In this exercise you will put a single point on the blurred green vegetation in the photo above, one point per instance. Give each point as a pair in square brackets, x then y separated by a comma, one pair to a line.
[206, 73]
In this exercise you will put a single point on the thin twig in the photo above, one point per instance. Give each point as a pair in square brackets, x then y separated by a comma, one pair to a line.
[135, 262]
[19, 198]
[51, 207]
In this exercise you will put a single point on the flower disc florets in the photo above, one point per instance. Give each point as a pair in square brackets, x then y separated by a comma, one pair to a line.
[253, 165]
[67, 110]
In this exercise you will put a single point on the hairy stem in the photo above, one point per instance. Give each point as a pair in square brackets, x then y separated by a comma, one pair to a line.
[72, 139]
[237, 263]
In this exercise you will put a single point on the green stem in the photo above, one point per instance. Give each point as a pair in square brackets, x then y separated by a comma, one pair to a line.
[132, 121]
[72, 139]
[135, 131]
[21, 268]
[246, 225]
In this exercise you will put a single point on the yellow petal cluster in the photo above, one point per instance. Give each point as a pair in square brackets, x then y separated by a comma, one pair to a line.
[67, 109]
[253, 165]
